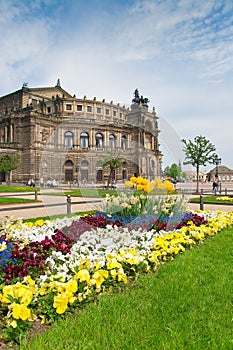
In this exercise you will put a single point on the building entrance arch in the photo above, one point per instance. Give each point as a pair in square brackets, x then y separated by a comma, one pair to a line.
[69, 171]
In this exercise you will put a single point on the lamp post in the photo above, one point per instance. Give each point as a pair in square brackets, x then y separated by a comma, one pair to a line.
[217, 163]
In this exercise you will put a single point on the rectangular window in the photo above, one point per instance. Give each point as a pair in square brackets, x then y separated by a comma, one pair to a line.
[107, 111]
[89, 108]
[120, 115]
[79, 107]
[98, 110]
[68, 107]
[114, 113]
[48, 109]
[34, 101]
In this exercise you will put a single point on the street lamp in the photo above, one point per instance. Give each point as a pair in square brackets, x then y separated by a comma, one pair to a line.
[217, 163]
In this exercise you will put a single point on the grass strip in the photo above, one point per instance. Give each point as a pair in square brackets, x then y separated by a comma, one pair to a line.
[18, 189]
[211, 200]
[186, 304]
[15, 200]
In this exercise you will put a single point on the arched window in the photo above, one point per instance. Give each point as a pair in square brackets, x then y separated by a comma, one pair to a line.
[84, 171]
[69, 163]
[112, 141]
[123, 142]
[99, 171]
[84, 164]
[69, 170]
[99, 140]
[84, 140]
[69, 139]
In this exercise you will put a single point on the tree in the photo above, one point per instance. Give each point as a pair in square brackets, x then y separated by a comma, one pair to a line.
[199, 152]
[167, 171]
[174, 171]
[8, 162]
[113, 160]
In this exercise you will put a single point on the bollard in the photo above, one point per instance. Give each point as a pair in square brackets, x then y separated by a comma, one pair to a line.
[36, 195]
[225, 191]
[201, 203]
[68, 205]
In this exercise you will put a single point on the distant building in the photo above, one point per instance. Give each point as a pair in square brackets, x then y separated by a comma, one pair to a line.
[191, 175]
[62, 137]
[224, 174]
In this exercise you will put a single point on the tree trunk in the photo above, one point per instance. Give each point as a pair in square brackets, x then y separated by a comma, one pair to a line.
[197, 188]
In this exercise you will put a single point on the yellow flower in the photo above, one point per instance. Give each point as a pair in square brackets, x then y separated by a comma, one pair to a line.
[113, 263]
[99, 277]
[113, 274]
[140, 187]
[20, 311]
[134, 200]
[128, 184]
[144, 181]
[39, 222]
[13, 324]
[121, 276]
[133, 179]
[60, 303]
[84, 264]
[18, 292]
[83, 276]
[43, 319]
[3, 246]
[71, 286]
[169, 186]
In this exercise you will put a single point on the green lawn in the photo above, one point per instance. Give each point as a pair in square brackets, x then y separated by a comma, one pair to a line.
[186, 305]
[18, 189]
[212, 200]
[4, 200]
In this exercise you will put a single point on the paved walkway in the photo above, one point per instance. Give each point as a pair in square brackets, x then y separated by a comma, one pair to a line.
[55, 205]
[48, 206]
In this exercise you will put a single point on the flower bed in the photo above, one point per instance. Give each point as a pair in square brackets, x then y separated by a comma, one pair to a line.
[51, 268]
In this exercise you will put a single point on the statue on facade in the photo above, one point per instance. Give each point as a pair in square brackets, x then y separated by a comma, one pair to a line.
[43, 106]
[136, 98]
[140, 100]
[57, 103]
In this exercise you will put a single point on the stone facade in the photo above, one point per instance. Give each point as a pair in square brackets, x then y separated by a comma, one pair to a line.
[62, 137]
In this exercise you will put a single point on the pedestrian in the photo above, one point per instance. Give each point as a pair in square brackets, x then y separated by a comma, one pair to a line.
[41, 182]
[215, 184]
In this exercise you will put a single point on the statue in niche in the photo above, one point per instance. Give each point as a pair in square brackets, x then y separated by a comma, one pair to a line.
[44, 135]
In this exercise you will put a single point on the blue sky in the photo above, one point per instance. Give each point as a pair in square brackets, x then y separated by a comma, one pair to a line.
[179, 54]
